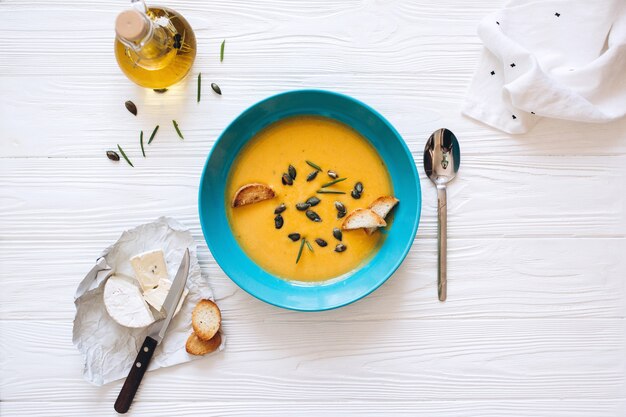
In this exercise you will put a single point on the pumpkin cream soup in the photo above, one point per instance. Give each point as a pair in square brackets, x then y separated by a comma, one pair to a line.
[305, 198]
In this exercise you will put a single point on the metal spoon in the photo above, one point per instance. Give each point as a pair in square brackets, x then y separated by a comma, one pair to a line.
[442, 158]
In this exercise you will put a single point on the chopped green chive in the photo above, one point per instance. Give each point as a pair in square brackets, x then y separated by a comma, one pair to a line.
[152, 135]
[199, 86]
[330, 192]
[328, 184]
[124, 155]
[300, 250]
[314, 165]
[308, 245]
[222, 50]
[143, 152]
[177, 129]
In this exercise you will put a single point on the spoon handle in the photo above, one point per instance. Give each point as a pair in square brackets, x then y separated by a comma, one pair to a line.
[442, 240]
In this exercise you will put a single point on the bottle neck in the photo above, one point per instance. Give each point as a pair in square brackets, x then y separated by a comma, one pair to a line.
[146, 42]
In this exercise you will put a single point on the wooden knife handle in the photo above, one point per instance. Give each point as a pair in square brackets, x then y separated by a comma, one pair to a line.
[125, 398]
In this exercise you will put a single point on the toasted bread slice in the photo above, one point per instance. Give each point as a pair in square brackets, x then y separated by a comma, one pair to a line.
[362, 218]
[206, 319]
[382, 206]
[197, 346]
[252, 193]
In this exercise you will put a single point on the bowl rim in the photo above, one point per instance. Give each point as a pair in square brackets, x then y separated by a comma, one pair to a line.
[392, 269]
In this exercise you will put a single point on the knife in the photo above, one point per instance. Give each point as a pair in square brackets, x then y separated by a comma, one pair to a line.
[140, 365]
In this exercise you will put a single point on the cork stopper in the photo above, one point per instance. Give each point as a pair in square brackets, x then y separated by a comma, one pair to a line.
[131, 25]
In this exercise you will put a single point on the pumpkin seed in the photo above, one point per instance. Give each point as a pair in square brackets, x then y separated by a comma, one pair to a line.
[355, 194]
[313, 216]
[287, 180]
[160, 90]
[312, 176]
[340, 247]
[339, 206]
[216, 88]
[341, 214]
[130, 106]
[332, 174]
[113, 156]
[303, 206]
[292, 172]
[314, 165]
[321, 242]
[328, 184]
[337, 234]
[300, 250]
[358, 187]
[280, 208]
[294, 236]
[313, 201]
[278, 221]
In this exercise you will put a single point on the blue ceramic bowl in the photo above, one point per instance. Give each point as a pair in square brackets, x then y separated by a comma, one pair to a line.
[291, 294]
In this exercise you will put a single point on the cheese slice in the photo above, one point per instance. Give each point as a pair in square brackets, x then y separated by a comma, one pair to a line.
[156, 296]
[150, 268]
[125, 304]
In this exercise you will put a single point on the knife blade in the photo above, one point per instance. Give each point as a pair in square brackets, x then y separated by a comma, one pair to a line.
[140, 365]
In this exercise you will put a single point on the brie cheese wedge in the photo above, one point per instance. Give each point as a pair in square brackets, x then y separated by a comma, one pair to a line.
[125, 304]
[150, 268]
[156, 296]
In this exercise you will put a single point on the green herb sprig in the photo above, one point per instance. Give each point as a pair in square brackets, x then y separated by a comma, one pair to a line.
[177, 129]
[199, 86]
[328, 184]
[330, 192]
[300, 250]
[124, 155]
[152, 135]
[143, 152]
[314, 165]
[222, 50]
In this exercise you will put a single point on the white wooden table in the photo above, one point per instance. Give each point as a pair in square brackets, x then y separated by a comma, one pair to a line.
[534, 324]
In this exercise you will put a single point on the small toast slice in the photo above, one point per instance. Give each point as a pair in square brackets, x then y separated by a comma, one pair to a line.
[361, 219]
[197, 346]
[382, 206]
[206, 319]
[252, 193]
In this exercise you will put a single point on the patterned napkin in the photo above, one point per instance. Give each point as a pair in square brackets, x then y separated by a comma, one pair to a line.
[564, 59]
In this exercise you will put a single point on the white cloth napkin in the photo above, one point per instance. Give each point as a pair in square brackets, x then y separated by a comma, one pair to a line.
[563, 59]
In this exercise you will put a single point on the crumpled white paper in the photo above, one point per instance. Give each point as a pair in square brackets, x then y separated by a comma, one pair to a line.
[110, 349]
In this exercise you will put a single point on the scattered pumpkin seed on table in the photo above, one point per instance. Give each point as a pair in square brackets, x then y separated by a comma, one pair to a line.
[130, 106]
[113, 156]
[216, 88]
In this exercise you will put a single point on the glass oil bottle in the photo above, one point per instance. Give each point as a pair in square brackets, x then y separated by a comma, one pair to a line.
[155, 46]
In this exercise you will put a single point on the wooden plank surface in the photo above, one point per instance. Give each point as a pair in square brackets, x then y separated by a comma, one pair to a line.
[534, 324]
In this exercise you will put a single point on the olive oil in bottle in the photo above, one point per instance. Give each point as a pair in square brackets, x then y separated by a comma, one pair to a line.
[155, 47]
